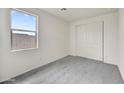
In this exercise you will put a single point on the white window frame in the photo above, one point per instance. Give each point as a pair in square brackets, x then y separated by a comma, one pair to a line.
[36, 31]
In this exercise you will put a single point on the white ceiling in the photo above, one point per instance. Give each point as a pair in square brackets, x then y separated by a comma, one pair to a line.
[72, 14]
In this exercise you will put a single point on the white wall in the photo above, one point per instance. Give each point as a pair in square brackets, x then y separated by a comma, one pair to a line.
[0, 49]
[110, 33]
[53, 44]
[121, 41]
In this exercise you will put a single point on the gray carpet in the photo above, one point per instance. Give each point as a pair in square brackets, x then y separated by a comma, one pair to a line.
[71, 70]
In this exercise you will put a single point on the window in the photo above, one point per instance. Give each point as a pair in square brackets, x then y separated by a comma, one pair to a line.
[24, 32]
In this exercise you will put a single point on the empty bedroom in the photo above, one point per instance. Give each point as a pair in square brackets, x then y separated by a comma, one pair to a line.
[61, 45]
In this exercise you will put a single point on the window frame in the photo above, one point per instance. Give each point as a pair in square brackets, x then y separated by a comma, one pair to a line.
[36, 31]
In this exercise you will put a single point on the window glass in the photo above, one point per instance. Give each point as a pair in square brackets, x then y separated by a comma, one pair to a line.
[20, 20]
[23, 30]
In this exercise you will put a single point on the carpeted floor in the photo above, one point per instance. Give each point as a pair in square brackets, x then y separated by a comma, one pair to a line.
[71, 70]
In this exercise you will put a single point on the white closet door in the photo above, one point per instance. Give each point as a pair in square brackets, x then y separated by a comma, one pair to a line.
[89, 40]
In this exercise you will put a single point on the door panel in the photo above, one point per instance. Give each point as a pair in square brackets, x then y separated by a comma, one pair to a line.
[89, 40]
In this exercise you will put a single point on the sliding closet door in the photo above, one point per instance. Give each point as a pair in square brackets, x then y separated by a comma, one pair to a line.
[90, 40]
